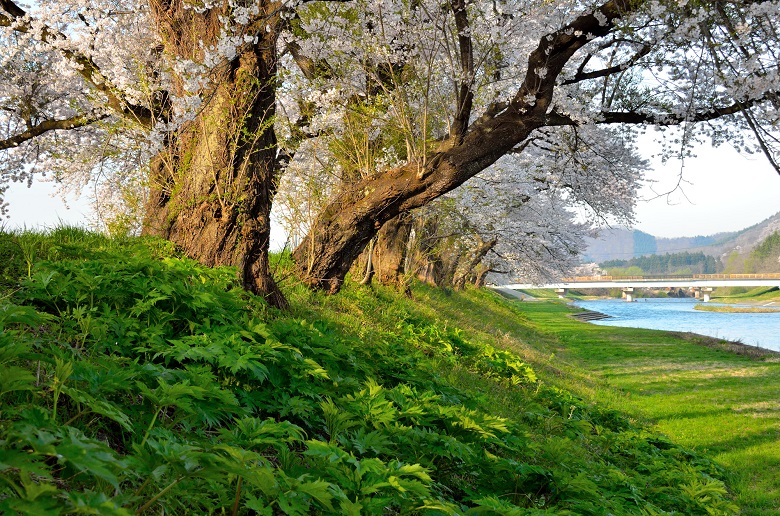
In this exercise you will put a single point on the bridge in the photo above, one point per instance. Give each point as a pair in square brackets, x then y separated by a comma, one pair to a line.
[701, 284]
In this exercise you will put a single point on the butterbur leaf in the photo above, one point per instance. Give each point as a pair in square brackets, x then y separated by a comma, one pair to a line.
[16, 379]
[259, 506]
[32, 489]
[414, 470]
[12, 348]
[102, 407]
[350, 508]
[314, 369]
[375, 442]
[326, 451]
[25, 315]
[319, 490]
[23, 461]
[89, 456]
[262, 432]
[95, 503]
[493, 506]
[43, 506]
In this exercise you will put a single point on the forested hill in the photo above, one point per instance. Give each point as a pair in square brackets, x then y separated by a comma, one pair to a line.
[624, 244]
[673, 263]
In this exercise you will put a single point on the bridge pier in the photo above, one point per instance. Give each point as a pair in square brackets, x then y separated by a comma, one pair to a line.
[703, 293]
[628, 294]
[561, 292]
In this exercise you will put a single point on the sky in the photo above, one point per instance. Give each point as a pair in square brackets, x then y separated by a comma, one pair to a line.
[721, 191]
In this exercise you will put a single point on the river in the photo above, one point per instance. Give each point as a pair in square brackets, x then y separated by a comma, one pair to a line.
[757, 329]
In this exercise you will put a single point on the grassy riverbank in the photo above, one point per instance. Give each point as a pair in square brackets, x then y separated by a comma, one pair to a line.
[736, 309]
[133, 380]
[769, 296]
[700, 395]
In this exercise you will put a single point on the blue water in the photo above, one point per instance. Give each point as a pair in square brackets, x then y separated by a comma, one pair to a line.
[761, 329]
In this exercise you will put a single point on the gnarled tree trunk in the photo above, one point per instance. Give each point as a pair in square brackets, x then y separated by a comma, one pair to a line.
[477, 255]
[346, 225]
[390, 250]
[212, 187]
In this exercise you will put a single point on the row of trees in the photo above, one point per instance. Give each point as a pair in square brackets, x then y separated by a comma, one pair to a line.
[673, 263]
[370, 115]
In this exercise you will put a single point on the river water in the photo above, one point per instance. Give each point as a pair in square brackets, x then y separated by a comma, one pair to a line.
[758, 329]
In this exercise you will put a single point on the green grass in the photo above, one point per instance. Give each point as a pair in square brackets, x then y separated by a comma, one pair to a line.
[714, 401]
[743, 294]
[133, 380]
[736, 309]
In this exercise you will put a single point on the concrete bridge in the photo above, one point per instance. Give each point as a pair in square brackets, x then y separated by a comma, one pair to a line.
[701, 284]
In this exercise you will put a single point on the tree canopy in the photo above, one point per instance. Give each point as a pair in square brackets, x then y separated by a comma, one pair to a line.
[194, 109]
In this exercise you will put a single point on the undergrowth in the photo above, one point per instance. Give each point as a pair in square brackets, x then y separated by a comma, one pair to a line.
[133, 380]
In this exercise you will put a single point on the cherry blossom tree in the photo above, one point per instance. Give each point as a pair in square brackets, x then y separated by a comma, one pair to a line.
[504, 72]
[526, 215]
[181, 93]
[196, 106]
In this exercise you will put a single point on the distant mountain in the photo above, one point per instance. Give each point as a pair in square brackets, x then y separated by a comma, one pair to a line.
[624, 244]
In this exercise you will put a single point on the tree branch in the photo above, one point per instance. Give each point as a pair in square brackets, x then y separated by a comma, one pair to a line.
[663, 119]
[546, 62]
[87, 68]
[583, 76]
[464, 95]
[49, 125]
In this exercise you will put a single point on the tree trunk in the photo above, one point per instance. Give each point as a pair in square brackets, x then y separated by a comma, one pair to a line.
[425, 263]
[390, 250]
[347, 224]
[212, 187]
[481, 274]
[483, 248]
[369, 268]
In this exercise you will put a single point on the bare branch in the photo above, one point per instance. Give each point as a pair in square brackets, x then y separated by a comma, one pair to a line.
[546, 62]
[663, 119]
[49, 125]
[583, 76]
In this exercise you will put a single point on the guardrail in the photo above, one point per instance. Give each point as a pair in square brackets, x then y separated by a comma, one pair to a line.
[680, 277]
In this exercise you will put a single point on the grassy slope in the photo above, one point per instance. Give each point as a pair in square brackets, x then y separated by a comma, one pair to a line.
[142, 382]
[712, 400]
[759, 295]
[702, 393]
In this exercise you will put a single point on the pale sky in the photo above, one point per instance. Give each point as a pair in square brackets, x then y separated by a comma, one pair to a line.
[723, 191]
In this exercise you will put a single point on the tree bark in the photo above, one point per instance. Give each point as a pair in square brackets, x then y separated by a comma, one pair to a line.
[481, 274]
[390, 250]
[483, 248]
[212, 187]
[369, 265]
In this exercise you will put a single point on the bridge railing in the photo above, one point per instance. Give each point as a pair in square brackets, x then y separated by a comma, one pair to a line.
[681, 277]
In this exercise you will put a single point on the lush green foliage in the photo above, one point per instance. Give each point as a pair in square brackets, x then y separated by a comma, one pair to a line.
[134, 380]
[674, 263]
[769, 248]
